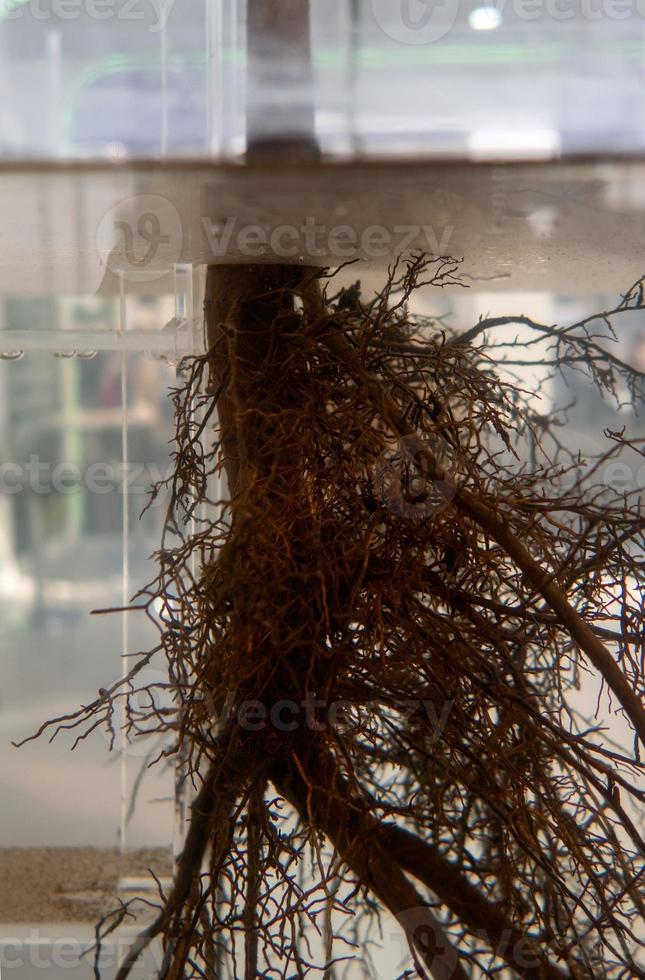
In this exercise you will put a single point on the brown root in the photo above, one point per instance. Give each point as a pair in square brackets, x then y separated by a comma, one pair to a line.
[383, 629]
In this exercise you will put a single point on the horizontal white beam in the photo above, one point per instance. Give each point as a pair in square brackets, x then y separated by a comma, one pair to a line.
[173, 344]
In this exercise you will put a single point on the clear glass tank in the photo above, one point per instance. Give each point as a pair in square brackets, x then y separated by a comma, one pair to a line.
[504, 133]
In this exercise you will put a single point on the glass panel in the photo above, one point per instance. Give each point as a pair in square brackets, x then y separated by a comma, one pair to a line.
[154, 78]
[64, 489]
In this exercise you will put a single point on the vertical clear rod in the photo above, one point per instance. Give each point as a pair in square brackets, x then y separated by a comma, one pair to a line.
[125, 570]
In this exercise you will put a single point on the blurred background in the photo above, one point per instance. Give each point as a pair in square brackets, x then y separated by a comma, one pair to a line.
[154, 78]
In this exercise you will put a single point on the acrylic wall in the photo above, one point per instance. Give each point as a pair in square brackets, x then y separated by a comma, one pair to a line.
[447, 128]
[129, 79]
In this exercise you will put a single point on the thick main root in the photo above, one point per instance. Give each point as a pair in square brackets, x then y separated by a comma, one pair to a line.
[380, 628]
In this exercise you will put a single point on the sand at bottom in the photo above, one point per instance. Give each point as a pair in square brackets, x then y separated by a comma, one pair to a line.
[69, 884]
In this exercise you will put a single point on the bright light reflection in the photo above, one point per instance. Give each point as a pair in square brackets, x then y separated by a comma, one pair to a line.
[485, 18]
